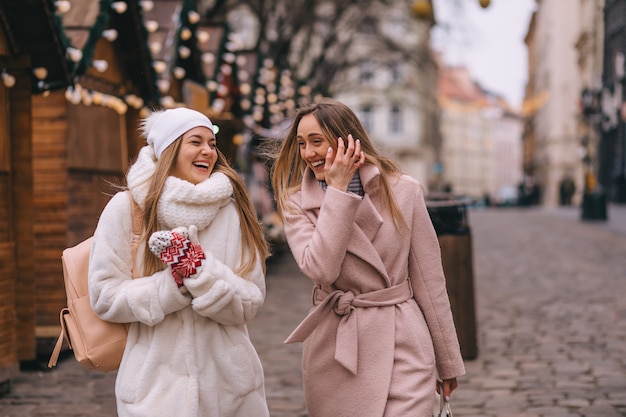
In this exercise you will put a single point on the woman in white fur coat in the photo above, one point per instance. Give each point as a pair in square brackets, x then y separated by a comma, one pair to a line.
[199, 275]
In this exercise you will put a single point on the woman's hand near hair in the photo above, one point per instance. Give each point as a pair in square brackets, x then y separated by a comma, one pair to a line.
[342, 164]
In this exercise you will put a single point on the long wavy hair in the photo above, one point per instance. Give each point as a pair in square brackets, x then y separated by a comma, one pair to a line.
[336, 120]
[255, 245]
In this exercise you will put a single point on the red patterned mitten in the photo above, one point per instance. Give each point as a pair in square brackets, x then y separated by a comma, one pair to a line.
[174, 249]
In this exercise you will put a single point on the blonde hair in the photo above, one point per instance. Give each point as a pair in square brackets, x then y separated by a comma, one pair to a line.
[253, 239]
[336, 120]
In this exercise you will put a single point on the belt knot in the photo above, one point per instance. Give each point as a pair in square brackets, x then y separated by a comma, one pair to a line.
[343, 305]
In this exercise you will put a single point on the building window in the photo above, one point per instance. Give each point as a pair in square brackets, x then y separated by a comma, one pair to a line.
[395, 73]
[366, 117]
[367, 72]
[395, 120]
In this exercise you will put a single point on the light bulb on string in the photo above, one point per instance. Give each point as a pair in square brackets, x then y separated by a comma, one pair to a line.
[159, 66]
[75, 55]
[119, 6]
[62, 6]
[146, 5]
[184, 52]
[163, 85]
[152, 26]
[109, 34]
[100, 65]
[155, 48]
[203, 36]
[40, 73]
[7, 79]
[179, 73]
[193, 17]
[185, 34]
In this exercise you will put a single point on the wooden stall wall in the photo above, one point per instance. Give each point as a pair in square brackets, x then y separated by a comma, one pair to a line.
[8, 357]
[50, 207]
[22, 202]
[97, 159]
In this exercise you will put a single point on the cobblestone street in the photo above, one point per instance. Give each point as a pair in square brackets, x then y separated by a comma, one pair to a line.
[551, 315]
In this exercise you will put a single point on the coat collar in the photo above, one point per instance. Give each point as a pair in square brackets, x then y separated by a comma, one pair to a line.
[367, 220]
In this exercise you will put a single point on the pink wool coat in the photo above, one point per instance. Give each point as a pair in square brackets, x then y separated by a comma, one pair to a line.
[381, 328]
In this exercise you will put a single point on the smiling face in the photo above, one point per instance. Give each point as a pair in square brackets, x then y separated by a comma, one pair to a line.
[197, 155]
[313, 145]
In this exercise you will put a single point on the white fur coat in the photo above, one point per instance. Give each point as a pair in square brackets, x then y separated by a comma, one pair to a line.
[186, 354]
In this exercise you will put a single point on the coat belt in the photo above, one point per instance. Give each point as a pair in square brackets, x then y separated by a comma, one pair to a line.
[344, 303]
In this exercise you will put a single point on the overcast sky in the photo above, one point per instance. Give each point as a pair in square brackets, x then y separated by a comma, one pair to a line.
[489, 42]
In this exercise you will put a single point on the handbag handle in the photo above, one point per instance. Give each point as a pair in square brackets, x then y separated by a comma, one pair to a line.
[444, 406]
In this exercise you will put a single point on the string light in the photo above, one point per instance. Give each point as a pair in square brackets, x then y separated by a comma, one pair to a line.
[146, 5]
[100, 65]
[184, 52]
[74, 54]
[155, 48]
[186, 34]
[119, 6]
[110, 34]
[159, 66]
[40, 73]
[193, 17]
[152, 26]
[179, 73]
[203, 36]
[7, 79]
[62, 6]
[163, 85]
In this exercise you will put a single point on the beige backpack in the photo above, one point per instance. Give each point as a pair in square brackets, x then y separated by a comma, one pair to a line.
[97, 344]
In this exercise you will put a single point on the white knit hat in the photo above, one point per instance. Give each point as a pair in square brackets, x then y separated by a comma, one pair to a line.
[162, 128]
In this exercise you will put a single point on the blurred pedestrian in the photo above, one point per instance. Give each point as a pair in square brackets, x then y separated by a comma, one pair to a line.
[380, 330]
[201, 262]
[567, 188]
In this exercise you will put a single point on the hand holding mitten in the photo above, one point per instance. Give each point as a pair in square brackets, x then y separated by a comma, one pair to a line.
[178, 249]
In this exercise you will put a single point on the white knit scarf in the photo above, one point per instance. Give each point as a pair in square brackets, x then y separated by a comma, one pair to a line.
[182, 203]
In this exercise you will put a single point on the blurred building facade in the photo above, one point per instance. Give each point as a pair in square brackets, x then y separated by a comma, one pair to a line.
[611, 151]
[552, 137]
[481, 151]
[392, 92]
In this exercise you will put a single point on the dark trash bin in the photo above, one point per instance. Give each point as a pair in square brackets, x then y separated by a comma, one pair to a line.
[594, 206]
[450, 219]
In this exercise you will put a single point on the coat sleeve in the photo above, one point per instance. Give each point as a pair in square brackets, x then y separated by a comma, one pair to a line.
[114, 295]
[222, 295]
[218, 292]
[319, 248]
[429, 288]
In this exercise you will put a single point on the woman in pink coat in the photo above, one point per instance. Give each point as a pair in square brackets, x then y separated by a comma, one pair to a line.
[380, 331]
